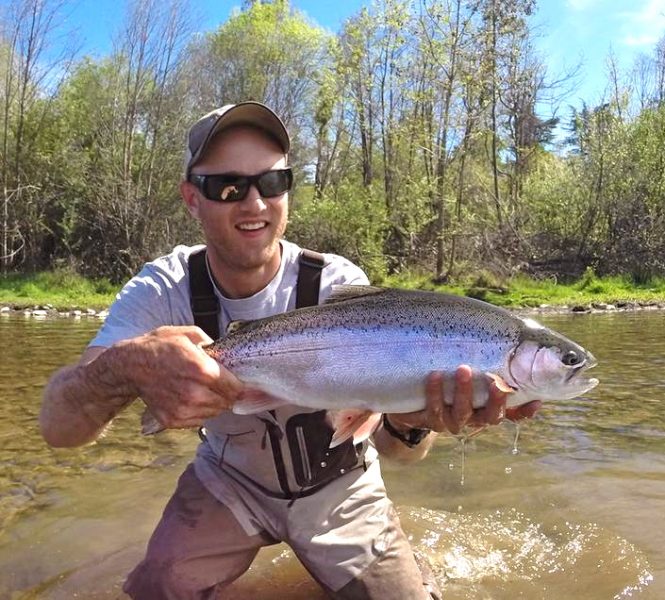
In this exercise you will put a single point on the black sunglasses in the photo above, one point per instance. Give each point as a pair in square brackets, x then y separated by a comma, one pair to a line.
[232, 188]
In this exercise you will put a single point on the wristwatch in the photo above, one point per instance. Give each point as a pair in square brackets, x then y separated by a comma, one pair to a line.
[411, 438]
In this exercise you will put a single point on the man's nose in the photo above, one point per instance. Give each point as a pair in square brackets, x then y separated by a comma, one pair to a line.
[253, 199]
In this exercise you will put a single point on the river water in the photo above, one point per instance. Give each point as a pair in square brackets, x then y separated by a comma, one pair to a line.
[578, 511]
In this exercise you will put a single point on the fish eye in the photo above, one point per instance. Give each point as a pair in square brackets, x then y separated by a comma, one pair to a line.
[571, 358]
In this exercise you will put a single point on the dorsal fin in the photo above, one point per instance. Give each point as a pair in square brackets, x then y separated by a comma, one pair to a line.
[343, 292]
[236, 326]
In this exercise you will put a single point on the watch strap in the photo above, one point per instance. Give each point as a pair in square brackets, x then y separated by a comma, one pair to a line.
[411, 438]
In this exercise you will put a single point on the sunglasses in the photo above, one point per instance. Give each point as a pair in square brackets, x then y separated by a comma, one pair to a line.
[233, 188]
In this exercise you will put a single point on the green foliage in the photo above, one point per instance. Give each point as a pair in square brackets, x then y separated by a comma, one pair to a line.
[350, 222]
[521, 291]
[417, 148]
[268, 52]
[62, 288]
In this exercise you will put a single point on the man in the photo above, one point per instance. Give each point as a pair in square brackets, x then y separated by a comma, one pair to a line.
[256, 479]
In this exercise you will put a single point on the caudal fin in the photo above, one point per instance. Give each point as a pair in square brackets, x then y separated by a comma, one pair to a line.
[149, 424]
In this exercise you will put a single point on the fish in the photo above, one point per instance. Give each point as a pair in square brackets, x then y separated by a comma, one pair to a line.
[367, 351]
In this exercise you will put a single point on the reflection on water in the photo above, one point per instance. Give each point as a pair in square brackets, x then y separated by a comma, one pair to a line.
[578, 512]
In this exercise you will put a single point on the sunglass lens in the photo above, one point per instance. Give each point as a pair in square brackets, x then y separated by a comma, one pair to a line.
[228, 191]
[274, 183]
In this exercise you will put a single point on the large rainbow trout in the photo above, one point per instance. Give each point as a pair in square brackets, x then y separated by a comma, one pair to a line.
[368, 350]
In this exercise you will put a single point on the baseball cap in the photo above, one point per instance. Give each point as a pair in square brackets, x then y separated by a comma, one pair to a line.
[244, 113]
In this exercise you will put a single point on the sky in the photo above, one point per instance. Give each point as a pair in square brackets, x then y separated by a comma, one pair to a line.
[570, 33]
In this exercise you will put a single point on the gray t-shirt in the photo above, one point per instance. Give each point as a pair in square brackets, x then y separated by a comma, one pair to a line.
[159, 295]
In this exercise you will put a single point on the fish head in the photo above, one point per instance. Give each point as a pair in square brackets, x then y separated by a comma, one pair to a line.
[546, 365]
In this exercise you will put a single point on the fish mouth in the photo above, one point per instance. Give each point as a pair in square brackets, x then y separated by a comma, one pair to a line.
[582, 386]
[578, 382]
[589, 363]
[574, 372]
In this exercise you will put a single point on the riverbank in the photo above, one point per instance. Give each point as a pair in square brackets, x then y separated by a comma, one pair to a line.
[61, 291]
[66, 294]
[588, 294]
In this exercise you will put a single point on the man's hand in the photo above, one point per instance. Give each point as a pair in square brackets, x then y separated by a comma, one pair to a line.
[167, 368]
[439, 415]
[180, 384]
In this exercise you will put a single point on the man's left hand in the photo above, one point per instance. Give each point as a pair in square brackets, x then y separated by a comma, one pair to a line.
[458, 412]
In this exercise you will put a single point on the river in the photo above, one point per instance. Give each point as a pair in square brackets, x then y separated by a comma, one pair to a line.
[576, 511]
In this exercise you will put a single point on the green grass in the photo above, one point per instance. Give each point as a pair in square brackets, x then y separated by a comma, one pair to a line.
[63, 289]
[527, 292]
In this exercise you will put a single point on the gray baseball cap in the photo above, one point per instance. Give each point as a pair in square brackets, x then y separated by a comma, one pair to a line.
[230, 115]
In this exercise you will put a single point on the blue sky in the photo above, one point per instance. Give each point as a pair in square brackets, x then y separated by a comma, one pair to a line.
[584, 31]
[570, 32]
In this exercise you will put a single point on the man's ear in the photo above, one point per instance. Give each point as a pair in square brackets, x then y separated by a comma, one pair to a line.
[191, 197]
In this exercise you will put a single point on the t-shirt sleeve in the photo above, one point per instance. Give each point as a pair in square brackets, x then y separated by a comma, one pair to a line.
[340, 271]
[143, 304]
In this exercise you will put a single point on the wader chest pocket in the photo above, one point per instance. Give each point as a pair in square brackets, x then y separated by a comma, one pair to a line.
[309, 436]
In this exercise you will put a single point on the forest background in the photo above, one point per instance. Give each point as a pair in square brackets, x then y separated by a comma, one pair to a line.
[419, 142]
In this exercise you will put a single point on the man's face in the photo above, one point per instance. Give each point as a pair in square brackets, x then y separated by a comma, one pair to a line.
[243, 235]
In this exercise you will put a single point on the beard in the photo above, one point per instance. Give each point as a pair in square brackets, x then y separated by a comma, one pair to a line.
[237, 256]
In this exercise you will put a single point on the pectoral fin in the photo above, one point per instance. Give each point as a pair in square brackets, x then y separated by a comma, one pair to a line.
[501, 383]
[254, 400]
[347, 423]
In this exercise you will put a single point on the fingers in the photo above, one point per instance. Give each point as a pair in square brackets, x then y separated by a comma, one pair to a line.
[462, 408]
[195, 334]
[182, 355]
[187, 407]
[434, 405]
[494, 410]
[445, 409]
[450, 407]
[178, 380]
[434, 416]
[454, 413]
[225, 383]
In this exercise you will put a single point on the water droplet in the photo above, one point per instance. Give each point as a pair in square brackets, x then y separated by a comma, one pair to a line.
[461, 448]
[515, 449]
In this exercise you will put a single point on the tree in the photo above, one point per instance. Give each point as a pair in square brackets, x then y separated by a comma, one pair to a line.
[127, 128]
[31, 71]
[267, 52]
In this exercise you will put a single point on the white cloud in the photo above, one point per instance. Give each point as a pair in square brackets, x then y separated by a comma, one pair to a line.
[641, 40]
[645, 24]
[580, 5]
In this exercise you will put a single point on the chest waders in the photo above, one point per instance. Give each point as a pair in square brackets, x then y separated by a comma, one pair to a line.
[308, 435]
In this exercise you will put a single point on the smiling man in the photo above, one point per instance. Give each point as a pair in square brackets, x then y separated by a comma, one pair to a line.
[256, 479]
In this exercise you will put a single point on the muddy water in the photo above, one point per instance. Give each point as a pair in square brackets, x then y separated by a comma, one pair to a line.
[577, 512]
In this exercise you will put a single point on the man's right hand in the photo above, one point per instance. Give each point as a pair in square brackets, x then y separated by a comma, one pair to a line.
[179, 382]
[168, 368]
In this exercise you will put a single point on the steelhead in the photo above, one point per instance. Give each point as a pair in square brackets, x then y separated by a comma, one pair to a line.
[368, 350]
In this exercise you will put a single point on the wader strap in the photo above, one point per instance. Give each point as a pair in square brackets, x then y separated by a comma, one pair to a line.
[205, 306]
[309, 278]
